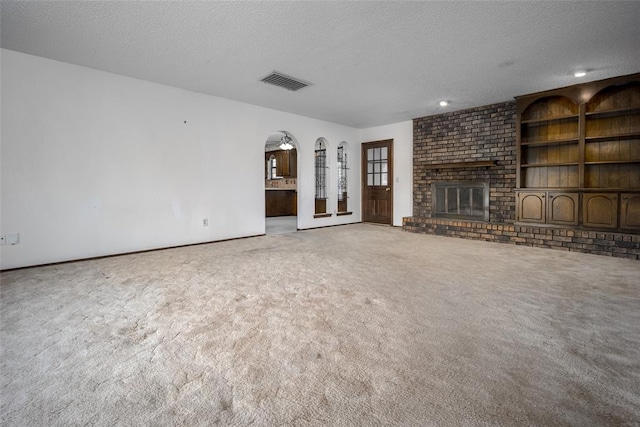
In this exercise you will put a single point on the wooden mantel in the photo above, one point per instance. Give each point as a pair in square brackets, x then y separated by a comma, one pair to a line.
[459, 165]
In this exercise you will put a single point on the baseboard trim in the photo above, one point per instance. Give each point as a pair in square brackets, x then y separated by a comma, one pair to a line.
[330, 225]
[48, 264]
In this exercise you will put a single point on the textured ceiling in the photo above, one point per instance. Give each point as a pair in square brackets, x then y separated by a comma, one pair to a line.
[371, 63]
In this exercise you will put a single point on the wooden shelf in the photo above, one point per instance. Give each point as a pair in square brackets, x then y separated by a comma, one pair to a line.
[544, 165]
[614, 111]
[549, 119]
[612, 136]
[581, 189]
[460, 165]
[612, 162]
[602, 139]
[552, 142]
[609, 190]
[524, 189]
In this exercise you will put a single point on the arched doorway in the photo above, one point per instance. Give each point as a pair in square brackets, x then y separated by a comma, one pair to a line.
[281, 183]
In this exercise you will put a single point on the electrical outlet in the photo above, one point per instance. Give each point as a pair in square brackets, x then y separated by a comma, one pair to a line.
[205, 222]
[12, 238]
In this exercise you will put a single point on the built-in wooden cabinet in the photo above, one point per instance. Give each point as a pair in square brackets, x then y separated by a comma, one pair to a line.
[578, 155]
[563, 208]
[548, 207]
[600, 210]
[531, 206]
[630, 211]
[549, 144]
[612, 138]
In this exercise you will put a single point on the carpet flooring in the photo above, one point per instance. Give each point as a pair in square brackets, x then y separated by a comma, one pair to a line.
[342, 326]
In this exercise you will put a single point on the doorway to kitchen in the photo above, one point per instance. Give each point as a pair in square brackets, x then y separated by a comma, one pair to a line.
[281, 183]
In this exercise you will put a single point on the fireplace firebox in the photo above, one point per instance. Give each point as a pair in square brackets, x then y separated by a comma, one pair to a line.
[463, 200]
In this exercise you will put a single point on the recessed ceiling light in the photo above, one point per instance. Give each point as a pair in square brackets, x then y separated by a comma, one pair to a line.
[444, 103]
[580, 73]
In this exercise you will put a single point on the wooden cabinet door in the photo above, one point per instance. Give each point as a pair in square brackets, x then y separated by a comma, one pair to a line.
[562, 208]
[600, 210]
[282, 163]
[281, 203]
[630, 211]
[294, 203]
[531, 207]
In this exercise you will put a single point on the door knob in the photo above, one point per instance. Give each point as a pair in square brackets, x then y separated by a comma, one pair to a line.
[387, 189]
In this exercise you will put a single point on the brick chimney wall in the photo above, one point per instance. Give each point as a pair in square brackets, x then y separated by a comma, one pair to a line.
[476, 134]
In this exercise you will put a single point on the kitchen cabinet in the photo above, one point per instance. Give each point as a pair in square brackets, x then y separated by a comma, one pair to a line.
[281, 203]
[286, 163]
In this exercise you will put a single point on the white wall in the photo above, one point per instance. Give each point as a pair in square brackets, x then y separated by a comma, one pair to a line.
[95, 163]
[402, 135]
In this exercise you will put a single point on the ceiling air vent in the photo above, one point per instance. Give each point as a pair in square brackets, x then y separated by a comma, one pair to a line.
[278, 79]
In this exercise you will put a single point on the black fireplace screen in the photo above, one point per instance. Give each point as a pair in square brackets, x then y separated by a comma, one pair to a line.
[465, 200]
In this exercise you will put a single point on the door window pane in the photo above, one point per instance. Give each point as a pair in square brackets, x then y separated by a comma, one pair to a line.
[377, 166]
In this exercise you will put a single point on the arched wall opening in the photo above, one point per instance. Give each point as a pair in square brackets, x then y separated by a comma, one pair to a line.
[281, 183]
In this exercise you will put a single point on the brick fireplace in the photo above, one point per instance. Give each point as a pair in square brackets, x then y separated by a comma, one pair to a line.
[478, 145]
